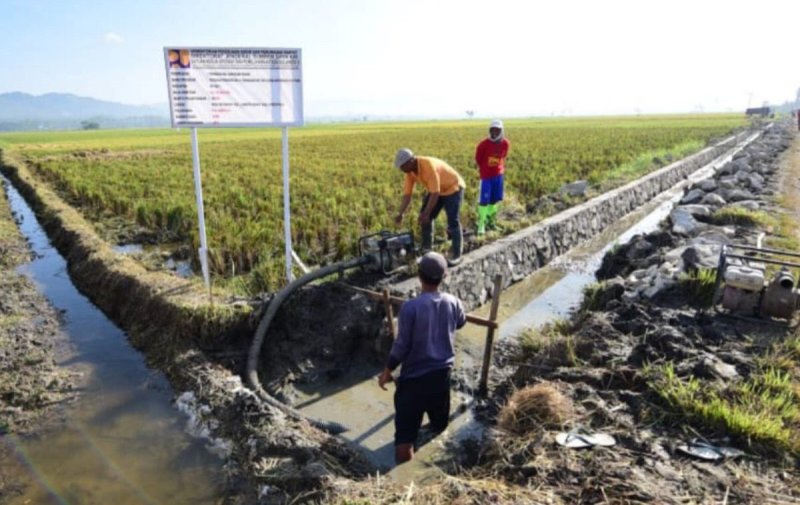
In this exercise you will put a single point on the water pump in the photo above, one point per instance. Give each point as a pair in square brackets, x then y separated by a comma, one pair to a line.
[386, 251]
[744, 287]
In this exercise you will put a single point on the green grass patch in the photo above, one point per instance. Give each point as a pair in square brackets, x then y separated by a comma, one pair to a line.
[763, 408]
[645, 162]
[740, 216]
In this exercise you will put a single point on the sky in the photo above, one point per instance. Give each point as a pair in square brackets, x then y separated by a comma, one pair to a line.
[427, 58]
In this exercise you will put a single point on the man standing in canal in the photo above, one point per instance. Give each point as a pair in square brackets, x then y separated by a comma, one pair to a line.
[490, 156]
[426, 331]
[445, 190]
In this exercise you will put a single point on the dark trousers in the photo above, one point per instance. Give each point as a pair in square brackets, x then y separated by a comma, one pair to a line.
[452, 207]
[429, 394]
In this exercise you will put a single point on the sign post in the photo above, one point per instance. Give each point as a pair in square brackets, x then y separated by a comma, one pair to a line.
[287, 225]
[201, 215]
[239, 87]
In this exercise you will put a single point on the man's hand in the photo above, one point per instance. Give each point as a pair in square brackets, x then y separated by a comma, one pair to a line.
[398, 219]
[386, 376]
[424, 218]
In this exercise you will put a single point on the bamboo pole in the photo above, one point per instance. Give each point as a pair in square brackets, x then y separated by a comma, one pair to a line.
[487, 353]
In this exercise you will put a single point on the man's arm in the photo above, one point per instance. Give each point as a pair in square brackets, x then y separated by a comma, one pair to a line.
[403, 206]
[401, 346]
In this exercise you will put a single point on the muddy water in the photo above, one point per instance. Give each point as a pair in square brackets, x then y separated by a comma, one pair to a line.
[123, 441]
[550, 293]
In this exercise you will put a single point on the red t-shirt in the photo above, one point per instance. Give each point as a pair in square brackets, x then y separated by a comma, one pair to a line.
[491, 157]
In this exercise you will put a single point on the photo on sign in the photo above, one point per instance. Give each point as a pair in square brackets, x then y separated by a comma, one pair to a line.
[179, 58]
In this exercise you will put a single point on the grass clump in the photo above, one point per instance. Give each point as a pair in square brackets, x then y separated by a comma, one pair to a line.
[538, 406]
[552, 345]
[699, 286]
[591, 296]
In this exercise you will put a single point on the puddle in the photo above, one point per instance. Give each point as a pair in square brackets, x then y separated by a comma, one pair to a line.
[182, 268]
[128, 248]
[157, 253]
[124, 440]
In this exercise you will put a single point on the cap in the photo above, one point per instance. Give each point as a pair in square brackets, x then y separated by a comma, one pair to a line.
[496, 124]
[402, 156]
[433, 266]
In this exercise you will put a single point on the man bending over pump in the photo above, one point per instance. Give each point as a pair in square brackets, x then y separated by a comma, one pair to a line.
[445, 191]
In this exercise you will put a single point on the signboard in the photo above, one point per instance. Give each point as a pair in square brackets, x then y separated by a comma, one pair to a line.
[234, 87]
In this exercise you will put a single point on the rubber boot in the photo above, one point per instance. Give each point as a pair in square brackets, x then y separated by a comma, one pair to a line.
[427, 237]
[491, 217]
[483, 213]
[456, 246]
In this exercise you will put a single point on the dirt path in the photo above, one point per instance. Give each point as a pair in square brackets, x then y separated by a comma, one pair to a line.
[33, 388]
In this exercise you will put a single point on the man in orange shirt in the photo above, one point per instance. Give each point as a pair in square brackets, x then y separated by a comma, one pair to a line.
[445, 189]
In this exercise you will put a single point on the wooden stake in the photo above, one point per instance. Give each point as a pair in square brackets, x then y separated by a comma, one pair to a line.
[387, 303]
[487, 353]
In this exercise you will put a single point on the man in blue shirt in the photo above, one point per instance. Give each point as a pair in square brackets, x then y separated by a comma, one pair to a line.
[424, 346]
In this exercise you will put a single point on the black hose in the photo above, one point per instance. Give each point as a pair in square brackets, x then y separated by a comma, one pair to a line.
[261, 332]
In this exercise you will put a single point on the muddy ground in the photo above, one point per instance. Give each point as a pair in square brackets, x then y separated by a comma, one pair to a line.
[33, 387]
[643, 317]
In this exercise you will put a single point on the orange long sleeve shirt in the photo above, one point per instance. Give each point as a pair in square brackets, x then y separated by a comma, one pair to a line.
[435, 175]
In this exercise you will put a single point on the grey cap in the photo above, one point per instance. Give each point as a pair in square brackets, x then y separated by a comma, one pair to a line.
[403, 155]
[433, 266]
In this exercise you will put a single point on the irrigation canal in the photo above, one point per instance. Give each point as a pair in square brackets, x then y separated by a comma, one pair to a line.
[124, 441]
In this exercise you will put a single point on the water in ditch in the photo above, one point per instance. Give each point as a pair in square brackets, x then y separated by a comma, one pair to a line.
[123, 441]
[550, 293]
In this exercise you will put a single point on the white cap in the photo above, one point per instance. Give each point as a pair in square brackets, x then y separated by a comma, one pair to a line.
[496, 124]
[403, 155]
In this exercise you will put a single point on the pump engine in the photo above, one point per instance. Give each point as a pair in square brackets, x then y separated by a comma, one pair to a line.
[386, 251]
[745, 288]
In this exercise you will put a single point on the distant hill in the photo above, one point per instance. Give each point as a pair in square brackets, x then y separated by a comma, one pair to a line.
[21, 111]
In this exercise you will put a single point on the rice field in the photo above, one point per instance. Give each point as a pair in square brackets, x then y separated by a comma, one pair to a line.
[343, 184]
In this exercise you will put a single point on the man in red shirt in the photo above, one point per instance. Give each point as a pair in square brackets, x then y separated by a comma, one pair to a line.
[490, 155]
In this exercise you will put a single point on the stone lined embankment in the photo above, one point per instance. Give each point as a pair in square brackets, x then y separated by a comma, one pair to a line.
[518, 255]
